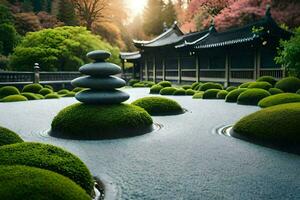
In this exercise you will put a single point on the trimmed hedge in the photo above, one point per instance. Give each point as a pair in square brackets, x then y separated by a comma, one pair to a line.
[234, 94]
[48, 157]
[260, 85]
[279, 99]
[45, 91]
[14, 98]
[274, 91]
[167, 91]
[230, 88]
[63, 91]
[198, 95]
[277, 124]
[190, 92]
[245, 85]
[32, 88]
[289, 84]
[159, 105]
[165, 83]
[207, 86]
[8, 137]
[186, 87]
[252, 96]
[52, 96]
[8, 90]
[30, 96]
[269, 79]
[211, 94]
[179, 92]
[222, 94]
[155, 89]
[82, 121]
[22, 182]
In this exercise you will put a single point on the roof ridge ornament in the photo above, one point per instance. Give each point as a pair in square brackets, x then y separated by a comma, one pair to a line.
[212, 28]
[268, 11]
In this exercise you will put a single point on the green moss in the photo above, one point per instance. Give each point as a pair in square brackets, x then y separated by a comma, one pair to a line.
[190, 92]
[80, 121]
[252, 96]
[40, 96]
[155, 89]
[8, 90]
[165, 83]
[234, 94]
[30, 96]
[167, 91]
[49, 87]
[179, 92]
[32, 88]
[289, 84]
[260, 85]
[274, 91]
[194, 85]
[207, 86]
[245, 85]
[63, 91]
[22, 182]
[45, 91]
[8, 137]
[269, 79]
[211, 94]
[277, 124]
[138, 85]
[52, 96]
[70, 94]
[279, 99]
[48, 157]
[230, 88]
[198, 86]
[144, 83]
[14, 98]
[198, 95]
[186, 87]
[78, 89]
[131, 82]
[222, 94]
[159, 105]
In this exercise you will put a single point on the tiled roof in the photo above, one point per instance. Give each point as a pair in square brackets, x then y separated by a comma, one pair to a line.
[130, 55]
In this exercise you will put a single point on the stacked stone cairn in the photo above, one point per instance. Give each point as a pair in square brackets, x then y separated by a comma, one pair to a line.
[99, 81]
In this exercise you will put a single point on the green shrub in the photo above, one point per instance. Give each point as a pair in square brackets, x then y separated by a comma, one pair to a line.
[78, 89]
[274, 91]
[48, 157]
[40, 96]
[289, 84]
[260, 85]
[234, 94]
[159, 105]
[190, 92]
[179, 92]
[245, 85]
[131, 82]
[100, 121]
[70, 94]
[63, 91]
[49, 87]
[138, 85]
[198, 95]
[269, 79]
[252, 96]
[222, 94]
[8, 137]
[195, 85]
[30, 96]
[298, 92]
[211, 94]
[230, 88]
[14, 98]
[8, 90]
[148, 83]
[45, 91]
[155, 89]
[207, 86]
[32, 88]
[52, 96]
[165, 83]
[279, 99]
[186, 87]
[22, 182]
[278, 124]
[167, 91]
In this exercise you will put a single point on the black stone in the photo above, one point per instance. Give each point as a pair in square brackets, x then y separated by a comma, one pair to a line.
[102, 97]
[98, 55]
[100, 69]
[96, 83]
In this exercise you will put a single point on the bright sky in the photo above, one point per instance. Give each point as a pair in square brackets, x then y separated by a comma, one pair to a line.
[136, 6]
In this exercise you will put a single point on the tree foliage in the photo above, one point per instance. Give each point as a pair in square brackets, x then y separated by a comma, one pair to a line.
[66, 13]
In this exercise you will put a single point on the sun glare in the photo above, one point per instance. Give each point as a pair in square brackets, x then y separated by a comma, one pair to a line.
[136, 6]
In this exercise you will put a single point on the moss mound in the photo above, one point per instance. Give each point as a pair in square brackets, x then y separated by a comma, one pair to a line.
[277, 124]
[80, 121]
[269, 79]
[165, 83]
[8, 90]
[179, 92]
[234, 94]
[32, 88]
[198, 86]
[207, 86]
[252, 96]
[78, 89]
[48, 157]
[131, 82]
[194, 85]
[222, 94]
[289, 84]
[260, 85]
[230, 88]
[52, 96]
[45, 91]
[8, 137]
[63, 91]
[22, 182]
[279, 99]
[40, 96]
[143, 84]
[211, 94]
[245, 85]
[190, 92]
[186, 87]
[155, 89]
[49, 87]
[14, 98]
[167, 91]
[159, 105]
[30, 96]
[198, 95]
[274, 91]
[70, 94]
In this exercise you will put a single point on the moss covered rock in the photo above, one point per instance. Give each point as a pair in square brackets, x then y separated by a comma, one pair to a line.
[167, 91]
[260, 85]
[194, 85]
[289, 84]
[198, 95]
[269, 79]
[274, 91]
[234, 94]
[179, 92]
[8, 137]
[279, 99]
[8, 90]
[80, 121]
[222, 94]
[52, 96]
[190, 92]
[40, 96]
[207, 86]
[165, 83]
[63, 91]
[211, 94]
[245, 85]
[186, 87]
[45, 91]
[30, 96]
[32, 88]
[230, 88]
[252, 96]
[155, 89]
[14, 98]
[49, 87]
[159, 105]
[48, 157]
[70, 94]
[23, 182]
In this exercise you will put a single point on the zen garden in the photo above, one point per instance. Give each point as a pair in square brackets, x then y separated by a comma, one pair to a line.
[149, 99]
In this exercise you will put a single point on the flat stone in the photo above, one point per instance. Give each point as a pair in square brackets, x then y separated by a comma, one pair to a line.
[98, 55]
[104, 83]
[102, 97]
[100, 69]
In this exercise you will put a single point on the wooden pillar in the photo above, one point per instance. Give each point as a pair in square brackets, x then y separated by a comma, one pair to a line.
[164, 69]
[146, 69]
[154, 69]
[227, 70]
[197, 68]
[257, 63]
[179, 69]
